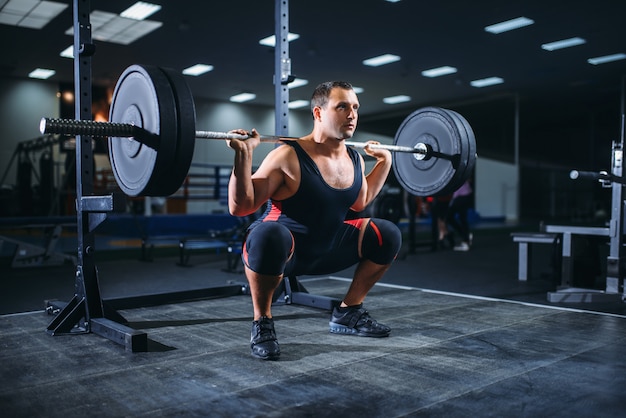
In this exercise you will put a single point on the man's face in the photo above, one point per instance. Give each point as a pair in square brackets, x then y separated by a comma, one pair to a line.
[340, 115]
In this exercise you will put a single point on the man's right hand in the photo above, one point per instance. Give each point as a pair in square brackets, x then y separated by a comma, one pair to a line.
[254, 139]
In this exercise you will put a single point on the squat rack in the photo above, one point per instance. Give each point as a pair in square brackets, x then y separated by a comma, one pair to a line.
[87, 311]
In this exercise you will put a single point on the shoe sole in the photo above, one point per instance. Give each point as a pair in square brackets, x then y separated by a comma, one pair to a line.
[344, 330]
[268, 357]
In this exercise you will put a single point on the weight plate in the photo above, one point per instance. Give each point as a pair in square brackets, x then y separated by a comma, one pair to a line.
[469, 142]
[436, 128]
[143, 97]
[186, 132]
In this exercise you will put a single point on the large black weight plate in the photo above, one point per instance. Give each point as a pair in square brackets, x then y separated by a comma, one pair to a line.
[435, 176]
[468, 144]
[186, 143]
[143, 96]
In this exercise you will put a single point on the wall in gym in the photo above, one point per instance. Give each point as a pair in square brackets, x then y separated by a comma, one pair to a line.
[22, 105]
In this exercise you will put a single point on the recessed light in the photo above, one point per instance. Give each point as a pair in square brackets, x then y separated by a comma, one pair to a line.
[508, 25]
[381, 60]
[606, 58]
[41, 73]
[68, 52]
[437, 72]
[565, 43]
[396, 99]
[271, 40]
[484, 82]
[298, 82]
[242, 97]
[298, 104]
[140, 10]
[198, 69]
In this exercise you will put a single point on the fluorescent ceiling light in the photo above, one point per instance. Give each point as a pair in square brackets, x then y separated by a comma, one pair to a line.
[392, 1]
[198, 69]
[396, 99]
[68, 52]
[484, 82]
[298, 82]
[271, 40]
[606, 58]
[437, 72]
[565, 43]
[242, 97]
[41, 73]
[140, 10]
[32, 14]
[298, 104]
[381, 60]
[109, 27]
[517, 23]
[358, 90]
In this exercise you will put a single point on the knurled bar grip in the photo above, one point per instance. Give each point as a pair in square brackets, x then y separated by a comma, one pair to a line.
[88, 127]
[125, 130]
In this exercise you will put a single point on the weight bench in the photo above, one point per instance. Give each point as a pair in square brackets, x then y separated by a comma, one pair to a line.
[185, 245]
[525, 241]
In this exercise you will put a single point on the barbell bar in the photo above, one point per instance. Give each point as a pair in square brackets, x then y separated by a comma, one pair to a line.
[124, 130]
[151, 136]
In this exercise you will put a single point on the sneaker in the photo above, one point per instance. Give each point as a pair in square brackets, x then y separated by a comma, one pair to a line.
[464, 246]
[356, 321]
[263, 341]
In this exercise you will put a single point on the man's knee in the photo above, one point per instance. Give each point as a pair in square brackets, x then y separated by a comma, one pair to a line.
[267, 249]
[382, 240]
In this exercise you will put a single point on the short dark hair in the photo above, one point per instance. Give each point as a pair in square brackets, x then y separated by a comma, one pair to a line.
[322, 91]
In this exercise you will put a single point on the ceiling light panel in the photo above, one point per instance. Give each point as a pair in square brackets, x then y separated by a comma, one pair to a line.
[140, 10]
[271, 40]
[298, 104]
[41, 73]
[34, 14]
[508, 25]
[242, 97]
[381, 60]
[110, 27]
[298, 82]
[565, 43]
[439, 71]
[198, 69]
[397, 99]
[606, 58]
[484, 82]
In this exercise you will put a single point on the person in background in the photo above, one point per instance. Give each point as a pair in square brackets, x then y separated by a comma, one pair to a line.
[456, 217]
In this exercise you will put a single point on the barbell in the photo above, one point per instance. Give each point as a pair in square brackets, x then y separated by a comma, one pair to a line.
[151, 136]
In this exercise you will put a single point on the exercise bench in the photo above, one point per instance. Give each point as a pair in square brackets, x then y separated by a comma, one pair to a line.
[525, 241]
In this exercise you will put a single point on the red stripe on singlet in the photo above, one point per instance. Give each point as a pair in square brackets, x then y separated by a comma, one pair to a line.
[357, 224]
[274, 213]
[378, 234]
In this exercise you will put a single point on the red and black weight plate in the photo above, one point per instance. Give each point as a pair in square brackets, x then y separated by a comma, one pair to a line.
[143, 97]
[439, 130]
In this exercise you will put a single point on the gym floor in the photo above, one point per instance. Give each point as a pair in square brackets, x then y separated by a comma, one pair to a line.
[468, 339]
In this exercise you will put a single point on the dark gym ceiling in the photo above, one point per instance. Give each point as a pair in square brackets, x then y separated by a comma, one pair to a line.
[336, 36]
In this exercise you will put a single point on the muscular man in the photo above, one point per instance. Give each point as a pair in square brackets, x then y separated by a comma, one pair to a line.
[309, 186]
